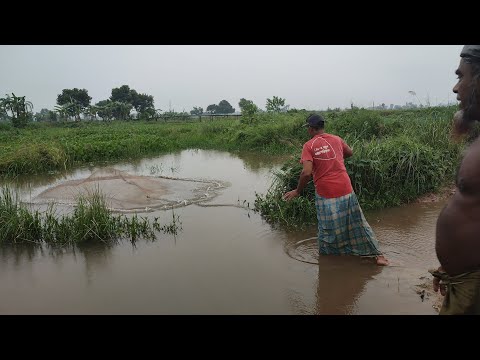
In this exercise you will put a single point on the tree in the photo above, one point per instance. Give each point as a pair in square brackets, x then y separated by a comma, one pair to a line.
[212, 109]
[52, 116]
[224, 107]
[41, 116]
[105, 109]
[77, 100]
[143, 104]
[123, 94]
[70, 109]
[4, 114]
[247, 107]
[61, 111]
[122, 98]
[150, 114]
[196, 111]
[91, 112]
[20, 110]
[243, 102]
[121, 110]
[275, 104]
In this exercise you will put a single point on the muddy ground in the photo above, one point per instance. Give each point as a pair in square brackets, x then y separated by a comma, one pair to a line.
[426, 293]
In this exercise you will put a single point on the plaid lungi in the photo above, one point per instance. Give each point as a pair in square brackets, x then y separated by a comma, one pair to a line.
[342, 228]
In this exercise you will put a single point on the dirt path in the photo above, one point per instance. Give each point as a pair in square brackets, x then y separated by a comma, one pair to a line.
[442, 194]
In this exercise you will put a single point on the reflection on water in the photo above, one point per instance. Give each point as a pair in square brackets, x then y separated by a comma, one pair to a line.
[341, 282]
[341, 279]
[226, 260]
[20, 256]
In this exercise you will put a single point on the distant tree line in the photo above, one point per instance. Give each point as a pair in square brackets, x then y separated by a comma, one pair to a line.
[123, 104]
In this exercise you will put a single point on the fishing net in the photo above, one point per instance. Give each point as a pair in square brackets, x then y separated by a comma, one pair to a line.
[132, 193]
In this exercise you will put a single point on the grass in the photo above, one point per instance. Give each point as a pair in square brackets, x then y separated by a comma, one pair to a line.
[398, 155]
[396, 159]
[44, 147]
[91, 222]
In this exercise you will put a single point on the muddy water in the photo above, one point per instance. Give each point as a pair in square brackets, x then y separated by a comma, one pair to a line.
[225, 260]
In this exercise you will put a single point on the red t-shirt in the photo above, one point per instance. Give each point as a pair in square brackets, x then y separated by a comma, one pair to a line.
[329, 173]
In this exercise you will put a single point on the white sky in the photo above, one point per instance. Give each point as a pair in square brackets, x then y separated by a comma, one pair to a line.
[313, 77]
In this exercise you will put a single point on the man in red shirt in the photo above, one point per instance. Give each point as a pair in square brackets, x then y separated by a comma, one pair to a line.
[342, 228]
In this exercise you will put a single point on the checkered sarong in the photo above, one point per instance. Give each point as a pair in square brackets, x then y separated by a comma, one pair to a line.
[342, 228]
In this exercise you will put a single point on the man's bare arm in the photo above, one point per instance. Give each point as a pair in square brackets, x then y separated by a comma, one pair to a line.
[303, 180]
[347, 151]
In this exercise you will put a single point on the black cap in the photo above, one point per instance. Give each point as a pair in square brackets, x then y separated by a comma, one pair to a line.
[471, 51]
[315, 120]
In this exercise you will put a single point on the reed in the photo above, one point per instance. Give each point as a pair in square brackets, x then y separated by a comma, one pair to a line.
[90, 222]
[396, 160]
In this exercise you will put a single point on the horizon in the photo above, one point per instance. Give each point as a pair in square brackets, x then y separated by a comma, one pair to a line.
[181, 77]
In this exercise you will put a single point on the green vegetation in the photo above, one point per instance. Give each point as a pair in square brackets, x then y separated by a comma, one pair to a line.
[223, 107]
[44, 147]
[275, 104]
[398, 156]
[17, 109]
[72, 102]
[91, 222]
[248, 109]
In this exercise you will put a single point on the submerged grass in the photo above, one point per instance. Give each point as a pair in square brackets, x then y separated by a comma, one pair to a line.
[91, 222]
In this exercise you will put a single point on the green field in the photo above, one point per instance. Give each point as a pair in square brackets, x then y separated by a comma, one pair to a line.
[399, 155]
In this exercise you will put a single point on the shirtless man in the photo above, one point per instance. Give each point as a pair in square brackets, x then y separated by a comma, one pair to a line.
[458, 225]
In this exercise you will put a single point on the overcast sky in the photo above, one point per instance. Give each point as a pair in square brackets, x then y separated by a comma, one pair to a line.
[180, 77]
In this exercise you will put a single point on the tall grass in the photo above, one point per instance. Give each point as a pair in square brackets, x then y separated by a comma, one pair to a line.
[398, 155]
[396, 160]
[43, 148]
[275, 210]
[91, 222]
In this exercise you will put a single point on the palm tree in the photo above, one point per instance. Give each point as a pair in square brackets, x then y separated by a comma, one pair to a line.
[71, 109]
[121, 110]
[3, 113]
[20, 110]
[62, 111]
[91, 111]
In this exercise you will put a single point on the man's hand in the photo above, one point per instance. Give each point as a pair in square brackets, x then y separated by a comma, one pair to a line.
[437, 285]
[290, 195]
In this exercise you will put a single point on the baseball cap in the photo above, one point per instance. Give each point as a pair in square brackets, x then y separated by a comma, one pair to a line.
[314, 120]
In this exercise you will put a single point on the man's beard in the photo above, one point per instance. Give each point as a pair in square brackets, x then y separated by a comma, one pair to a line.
[461, 125]
[464, 118]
